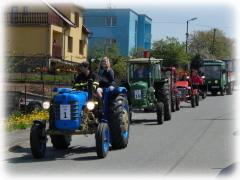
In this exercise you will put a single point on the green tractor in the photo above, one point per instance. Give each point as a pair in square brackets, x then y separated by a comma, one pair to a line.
[147, 90]
[215, 76]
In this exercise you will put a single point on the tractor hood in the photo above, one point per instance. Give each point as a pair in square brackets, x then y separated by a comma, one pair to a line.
[139, 85]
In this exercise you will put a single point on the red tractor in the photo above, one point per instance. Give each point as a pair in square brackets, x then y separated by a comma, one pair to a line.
[171, 74]
[188, 92]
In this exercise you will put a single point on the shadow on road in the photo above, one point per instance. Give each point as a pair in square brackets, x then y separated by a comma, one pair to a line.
[144, 121]
[227, 171]
[52, 154]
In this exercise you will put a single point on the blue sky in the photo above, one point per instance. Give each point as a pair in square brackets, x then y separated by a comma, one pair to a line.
[170, 20]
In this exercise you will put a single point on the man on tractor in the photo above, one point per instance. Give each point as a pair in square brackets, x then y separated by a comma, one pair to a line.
[84, 75]
[195, 79]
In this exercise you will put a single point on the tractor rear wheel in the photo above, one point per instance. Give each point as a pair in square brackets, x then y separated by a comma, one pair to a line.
[222, 91]
[177, 104]
[119, 120]
[167, 111]
[197, 100]
[193, 101]
[160, 110]
[61, 141]
[173, 105]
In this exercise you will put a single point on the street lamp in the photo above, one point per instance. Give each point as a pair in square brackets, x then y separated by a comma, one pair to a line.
[187, 33]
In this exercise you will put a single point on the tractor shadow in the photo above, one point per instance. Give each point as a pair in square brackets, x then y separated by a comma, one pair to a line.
[53, 154]
[146, 122]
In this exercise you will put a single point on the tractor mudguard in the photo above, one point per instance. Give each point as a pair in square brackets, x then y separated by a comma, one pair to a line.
[40, 122]
[119, 90]
[62, 90]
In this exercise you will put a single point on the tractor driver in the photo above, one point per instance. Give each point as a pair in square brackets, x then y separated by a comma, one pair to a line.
[84, 75]
[195, 79]
[140, 72]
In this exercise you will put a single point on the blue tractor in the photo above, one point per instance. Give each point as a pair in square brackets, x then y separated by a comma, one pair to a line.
[71, 108]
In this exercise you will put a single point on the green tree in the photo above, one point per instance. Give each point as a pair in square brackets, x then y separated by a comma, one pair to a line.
[171, 51]
[205, 44]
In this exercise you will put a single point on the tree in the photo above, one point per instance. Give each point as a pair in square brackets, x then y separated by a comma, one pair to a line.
[209, 45]
[171, 51]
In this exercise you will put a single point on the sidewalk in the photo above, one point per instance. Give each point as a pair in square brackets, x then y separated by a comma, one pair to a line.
[17, 138]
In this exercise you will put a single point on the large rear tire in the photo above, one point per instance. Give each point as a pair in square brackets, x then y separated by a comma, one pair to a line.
[160, 110]
[38, 140]
[222, 92]
[102, 140]
[167, 112]
[197, 100]
[119, 120]
[177, 104]
[193, 101]
[173, 106]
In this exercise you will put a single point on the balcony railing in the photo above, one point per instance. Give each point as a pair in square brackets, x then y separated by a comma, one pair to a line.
[33, 18]
[57, 51]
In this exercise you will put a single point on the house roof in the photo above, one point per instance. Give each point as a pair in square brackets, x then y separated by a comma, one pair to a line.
[86, 30]
[63, 17]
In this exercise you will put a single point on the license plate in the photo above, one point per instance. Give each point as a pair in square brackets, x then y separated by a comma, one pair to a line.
[214, 86]
[65, 112]
[137, 94]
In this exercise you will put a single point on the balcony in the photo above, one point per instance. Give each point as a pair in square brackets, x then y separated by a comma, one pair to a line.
[33, 18]
[57, 51]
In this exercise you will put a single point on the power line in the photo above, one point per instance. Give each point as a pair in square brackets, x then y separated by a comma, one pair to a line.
[196, 25]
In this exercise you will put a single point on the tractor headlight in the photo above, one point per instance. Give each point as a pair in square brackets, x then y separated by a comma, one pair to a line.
[216, 81]
[46, 105]
[90, 105]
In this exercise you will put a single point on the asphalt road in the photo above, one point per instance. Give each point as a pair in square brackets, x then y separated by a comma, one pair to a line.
[197, 141]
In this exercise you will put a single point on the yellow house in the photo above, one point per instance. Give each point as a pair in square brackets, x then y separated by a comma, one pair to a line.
[55, 31]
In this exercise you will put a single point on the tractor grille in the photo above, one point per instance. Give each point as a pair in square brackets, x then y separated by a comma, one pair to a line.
[75, 114]
[74, 107]
[182, 92]
[143, 94]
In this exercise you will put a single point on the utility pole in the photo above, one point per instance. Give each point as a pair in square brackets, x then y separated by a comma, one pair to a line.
[214, 40]
[187, 33]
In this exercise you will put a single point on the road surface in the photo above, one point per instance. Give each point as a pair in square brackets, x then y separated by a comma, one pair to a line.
[197, 141]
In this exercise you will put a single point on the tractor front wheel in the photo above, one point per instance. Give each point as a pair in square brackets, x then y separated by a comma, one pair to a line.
[102, 140]
[38, 140]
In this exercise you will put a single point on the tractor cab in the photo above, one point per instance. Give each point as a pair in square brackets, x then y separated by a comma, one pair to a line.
[147, 90]
[142, 74]
[215, 75]
[144, 69]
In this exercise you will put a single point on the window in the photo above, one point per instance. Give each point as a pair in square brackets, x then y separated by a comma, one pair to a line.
[81, 47]
[76, 15]
[70, 44]
[111, 21]
[110, 42]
